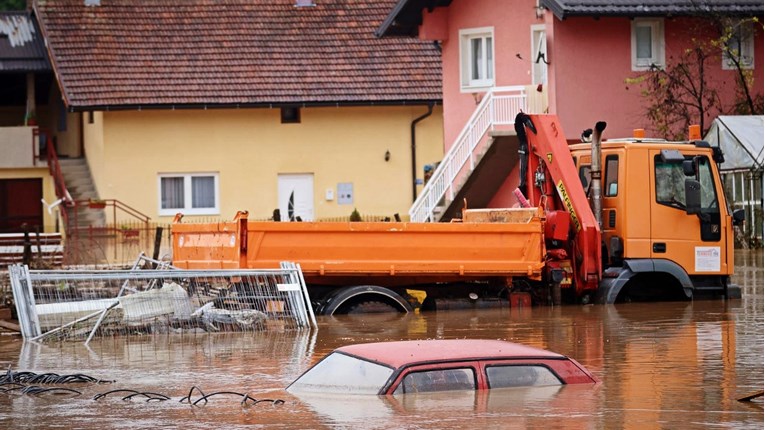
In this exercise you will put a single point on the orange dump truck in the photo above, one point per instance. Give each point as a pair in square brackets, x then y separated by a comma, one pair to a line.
[615, 221]
[369, 266]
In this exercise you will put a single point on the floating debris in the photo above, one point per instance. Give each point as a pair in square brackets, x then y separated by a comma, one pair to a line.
[247, 400]
[33, 390]
[12, 377]
[133, 393]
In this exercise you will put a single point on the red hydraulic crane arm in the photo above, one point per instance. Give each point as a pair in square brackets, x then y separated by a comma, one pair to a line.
[549, 167]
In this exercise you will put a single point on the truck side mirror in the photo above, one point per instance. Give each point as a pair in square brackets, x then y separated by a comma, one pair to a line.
[717, 155]
[692, 196]
[739, 216]
[689, 168]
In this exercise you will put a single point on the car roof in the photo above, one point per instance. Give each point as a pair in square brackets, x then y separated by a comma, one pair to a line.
[397, 354]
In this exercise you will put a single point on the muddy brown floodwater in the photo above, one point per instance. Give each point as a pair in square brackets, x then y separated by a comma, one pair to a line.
[662, 366]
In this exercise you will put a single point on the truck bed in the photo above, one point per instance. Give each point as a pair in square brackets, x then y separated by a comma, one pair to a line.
[506, 245]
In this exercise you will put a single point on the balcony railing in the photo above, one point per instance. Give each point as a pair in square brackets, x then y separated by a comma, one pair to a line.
[22, 147]
[499, 106]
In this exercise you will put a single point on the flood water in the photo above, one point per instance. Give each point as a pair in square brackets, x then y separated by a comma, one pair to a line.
[662, 366]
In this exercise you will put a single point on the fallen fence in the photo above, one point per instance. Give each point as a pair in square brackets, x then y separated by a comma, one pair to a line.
[66, 304]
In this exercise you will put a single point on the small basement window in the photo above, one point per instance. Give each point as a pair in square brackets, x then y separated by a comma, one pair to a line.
[290, 115]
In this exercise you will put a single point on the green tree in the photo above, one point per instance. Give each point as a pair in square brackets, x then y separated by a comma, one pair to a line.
[355, 216]
[13, 4]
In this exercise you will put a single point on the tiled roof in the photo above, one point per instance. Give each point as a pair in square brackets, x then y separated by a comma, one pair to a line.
[566, 8]
[21, 46]
[149, 53]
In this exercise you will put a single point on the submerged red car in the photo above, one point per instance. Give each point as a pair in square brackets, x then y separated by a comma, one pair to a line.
[418, 366]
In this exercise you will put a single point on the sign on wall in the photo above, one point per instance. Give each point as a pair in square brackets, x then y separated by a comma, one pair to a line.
[345, 193]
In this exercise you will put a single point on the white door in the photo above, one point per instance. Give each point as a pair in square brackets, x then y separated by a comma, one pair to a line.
[296, 196]
[539, 58]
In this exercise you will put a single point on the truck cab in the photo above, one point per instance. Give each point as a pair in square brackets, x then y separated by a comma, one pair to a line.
[666, 227]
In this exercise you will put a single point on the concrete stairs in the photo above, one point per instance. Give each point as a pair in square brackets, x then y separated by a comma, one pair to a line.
[493, 164]
[454, 179]
[79, 182]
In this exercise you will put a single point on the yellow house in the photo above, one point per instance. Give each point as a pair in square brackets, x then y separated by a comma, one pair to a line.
[206, 108]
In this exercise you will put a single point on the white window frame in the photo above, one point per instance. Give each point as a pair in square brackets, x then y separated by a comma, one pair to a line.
[657, 43]
[188, 209]
[745, 31]
[466, 60]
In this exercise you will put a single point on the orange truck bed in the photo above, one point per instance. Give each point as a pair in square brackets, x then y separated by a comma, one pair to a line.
[488, 244]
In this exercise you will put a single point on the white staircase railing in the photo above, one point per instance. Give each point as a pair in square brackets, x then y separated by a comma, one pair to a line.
[499, 107]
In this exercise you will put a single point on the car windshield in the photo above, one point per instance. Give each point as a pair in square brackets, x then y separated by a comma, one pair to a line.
[341, 373]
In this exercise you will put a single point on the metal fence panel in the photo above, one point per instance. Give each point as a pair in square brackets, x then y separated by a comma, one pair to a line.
[744, 191]
[82, 304]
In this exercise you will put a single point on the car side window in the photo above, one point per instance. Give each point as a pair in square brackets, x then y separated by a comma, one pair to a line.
[520, 376]
[437, 380]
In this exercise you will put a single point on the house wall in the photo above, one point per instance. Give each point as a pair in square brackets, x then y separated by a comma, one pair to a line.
[590, 60]
[248, 148]
[18, 147]
[511, 20]
[68, 137]
[93, 145]
[48, 191]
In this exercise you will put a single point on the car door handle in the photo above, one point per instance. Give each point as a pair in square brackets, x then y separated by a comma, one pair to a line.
[659, 247]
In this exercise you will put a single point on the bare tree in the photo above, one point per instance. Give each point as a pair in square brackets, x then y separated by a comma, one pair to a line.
[733, 37]
[682, 93]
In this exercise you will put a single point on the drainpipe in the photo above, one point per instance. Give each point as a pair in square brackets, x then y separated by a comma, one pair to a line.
[595, 173]
[31, 108]
[414, 149]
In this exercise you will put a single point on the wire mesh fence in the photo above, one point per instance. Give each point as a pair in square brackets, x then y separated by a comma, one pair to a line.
[115, 244]
[74, 305]
[362, 217]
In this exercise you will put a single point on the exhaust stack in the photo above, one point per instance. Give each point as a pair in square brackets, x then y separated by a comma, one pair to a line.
[595, 174]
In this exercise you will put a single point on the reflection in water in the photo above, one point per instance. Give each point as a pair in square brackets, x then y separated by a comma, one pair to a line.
[662, 365]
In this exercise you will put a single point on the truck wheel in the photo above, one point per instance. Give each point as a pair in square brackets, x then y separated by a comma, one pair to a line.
[373, 307]
[363, 299]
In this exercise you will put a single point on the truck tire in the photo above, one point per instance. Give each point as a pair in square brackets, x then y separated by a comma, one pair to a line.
[363, 299]
[645, 279]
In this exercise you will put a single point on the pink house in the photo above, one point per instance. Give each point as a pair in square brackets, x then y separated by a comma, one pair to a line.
[571, 58]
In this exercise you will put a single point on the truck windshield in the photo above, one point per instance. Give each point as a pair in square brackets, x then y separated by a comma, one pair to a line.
[670, 185]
